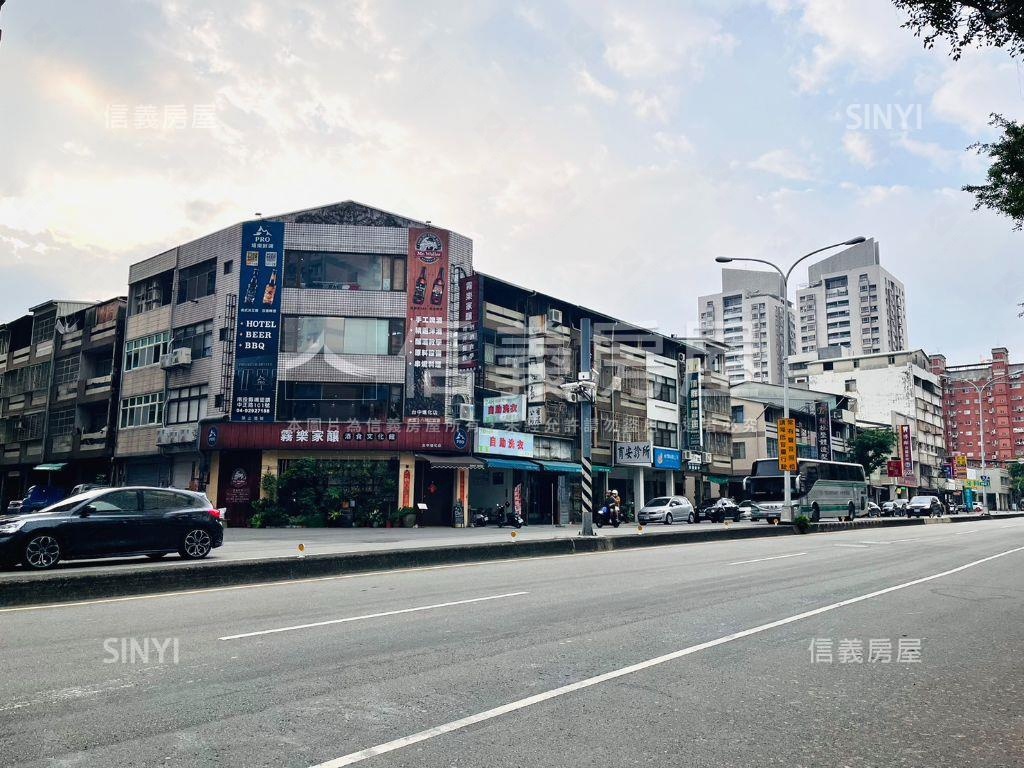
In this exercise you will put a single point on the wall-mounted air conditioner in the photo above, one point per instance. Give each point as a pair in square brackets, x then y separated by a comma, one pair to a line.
[467, 412]
[555, 316]
[176, 358]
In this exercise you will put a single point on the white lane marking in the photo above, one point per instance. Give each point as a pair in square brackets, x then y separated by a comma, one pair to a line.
[964, 533]
[855, 546]
[372, 616]
[1015, 525]
[883, 543]
[465, 722]
[762, 559]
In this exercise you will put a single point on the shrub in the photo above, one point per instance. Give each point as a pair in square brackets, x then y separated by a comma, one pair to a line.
[802, 523]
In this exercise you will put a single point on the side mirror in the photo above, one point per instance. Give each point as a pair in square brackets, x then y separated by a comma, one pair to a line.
[87, 510]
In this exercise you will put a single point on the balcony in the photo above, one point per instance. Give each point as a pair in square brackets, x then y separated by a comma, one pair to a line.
[92, 441]
[98, 385]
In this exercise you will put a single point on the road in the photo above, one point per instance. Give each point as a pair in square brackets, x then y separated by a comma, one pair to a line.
[692, 655]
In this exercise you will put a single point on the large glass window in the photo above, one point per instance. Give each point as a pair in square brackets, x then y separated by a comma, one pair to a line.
[198, 338]
[665, 434]
[197, 281]
[139, 353]
[62, 422]
[66, 370]
[151, 293]
[142, 410]
[344, 271]
[342, 335]
[363, 402]
[186, 404]
[42, 328]
[662, 388]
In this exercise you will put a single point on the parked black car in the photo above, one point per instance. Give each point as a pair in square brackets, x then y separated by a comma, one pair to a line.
[717, 510]
[113, 522]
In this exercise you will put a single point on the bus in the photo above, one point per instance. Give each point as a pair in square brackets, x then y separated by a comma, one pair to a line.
[819, 489]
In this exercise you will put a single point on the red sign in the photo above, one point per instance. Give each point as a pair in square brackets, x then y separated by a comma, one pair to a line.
[333, 436]
[426, 322]
[895, 468]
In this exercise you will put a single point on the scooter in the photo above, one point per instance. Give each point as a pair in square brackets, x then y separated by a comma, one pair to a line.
[504, 517]
[607, 516]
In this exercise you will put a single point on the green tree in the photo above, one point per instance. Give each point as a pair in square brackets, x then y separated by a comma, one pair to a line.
[1017, 480]
[872, 448]
[1004, 192]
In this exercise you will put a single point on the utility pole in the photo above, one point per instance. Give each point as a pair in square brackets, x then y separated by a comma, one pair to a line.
[586, 433]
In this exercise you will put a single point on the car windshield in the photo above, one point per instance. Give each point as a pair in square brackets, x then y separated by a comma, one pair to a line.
[69, 503]
[921, 500]
[661, 501]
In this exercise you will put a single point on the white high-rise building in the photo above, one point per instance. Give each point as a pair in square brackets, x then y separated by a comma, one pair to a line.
[748, 316]
[852, 301]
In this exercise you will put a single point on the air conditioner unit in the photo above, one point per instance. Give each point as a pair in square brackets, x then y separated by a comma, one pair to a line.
[705, 458]
[572, 397]
[616, 383]
[467, 412]
[555, 316]
[176, 358]
[585, 376]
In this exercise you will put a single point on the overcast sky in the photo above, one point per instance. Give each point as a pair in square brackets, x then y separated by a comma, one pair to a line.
[604, 152]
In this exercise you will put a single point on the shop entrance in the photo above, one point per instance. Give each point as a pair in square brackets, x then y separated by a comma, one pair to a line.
[436, 489]
[543, 496]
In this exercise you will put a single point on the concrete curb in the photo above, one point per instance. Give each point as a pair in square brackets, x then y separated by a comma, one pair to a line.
[72, 586]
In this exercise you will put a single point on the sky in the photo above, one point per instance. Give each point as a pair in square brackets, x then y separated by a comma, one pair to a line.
[602, 152]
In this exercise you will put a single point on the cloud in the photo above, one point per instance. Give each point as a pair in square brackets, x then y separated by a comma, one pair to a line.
[859, 148]
[591, 86]
[673, 143]
[784, 163]
[979, 84]
[649, 106]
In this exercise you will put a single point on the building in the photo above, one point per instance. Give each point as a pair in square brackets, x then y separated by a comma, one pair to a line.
[748, 315]
[59, 366]
[756, 410]
[323, 333]
[528, 433]
[852, 301]
[898, 391]
[991, 392]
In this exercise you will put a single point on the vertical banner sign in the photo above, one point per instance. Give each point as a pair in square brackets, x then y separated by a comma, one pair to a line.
[906, 451]
[694, 407]
[259, 321]
[469, 321]
[787, 445]
[426, 322]
[821, 410]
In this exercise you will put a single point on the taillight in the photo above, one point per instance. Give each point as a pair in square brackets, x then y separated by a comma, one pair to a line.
[215, 514]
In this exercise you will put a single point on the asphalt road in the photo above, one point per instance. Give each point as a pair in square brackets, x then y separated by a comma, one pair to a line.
[693, 655]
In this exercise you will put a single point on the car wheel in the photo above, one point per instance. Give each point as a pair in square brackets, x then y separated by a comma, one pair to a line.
[668, 518]
[156, 555]
[691, 518]
[42, 551]
[196, 544]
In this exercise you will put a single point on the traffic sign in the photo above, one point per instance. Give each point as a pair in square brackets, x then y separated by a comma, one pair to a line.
[787, 445]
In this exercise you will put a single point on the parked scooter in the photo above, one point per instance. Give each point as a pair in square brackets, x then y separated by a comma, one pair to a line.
[505, 517]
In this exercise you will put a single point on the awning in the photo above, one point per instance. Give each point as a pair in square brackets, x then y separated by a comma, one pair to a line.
[562, 466]
[50, 467]
[718, 479]
[597, 468]
[525, 466]
[451, 462]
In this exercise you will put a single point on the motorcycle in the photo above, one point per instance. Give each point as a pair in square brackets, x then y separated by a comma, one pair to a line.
[505, 517]
[607, 515]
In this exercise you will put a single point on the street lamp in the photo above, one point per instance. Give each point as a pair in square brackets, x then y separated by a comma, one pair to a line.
[787, 503]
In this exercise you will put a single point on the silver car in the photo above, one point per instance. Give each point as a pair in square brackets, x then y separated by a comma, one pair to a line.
[665, 509]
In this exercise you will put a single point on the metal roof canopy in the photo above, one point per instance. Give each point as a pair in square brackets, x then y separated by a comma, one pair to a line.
[451, 462]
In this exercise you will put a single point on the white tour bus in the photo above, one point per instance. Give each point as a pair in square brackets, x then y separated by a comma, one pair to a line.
[820, 489]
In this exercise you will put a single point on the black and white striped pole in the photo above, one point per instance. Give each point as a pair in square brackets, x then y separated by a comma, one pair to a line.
[586, 431]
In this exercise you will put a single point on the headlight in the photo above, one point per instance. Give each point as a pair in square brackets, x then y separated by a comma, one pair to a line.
[11, 527]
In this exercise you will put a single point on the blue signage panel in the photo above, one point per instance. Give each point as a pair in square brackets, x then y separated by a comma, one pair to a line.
[259, 321]
[667, 458]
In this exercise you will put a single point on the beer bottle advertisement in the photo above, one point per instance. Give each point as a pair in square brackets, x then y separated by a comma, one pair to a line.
[426, 343]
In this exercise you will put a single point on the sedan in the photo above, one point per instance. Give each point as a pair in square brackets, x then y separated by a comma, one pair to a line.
[665, 509]
[717, 510]
[920, 506]
[113, 522]
[873, 510]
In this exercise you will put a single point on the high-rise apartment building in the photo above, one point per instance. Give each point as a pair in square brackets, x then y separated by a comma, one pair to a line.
[748, 316]
[852, 301]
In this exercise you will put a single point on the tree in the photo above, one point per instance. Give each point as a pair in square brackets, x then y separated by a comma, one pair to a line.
[872, 448]
[965, 23]
[1004, 192]
[1017, 479]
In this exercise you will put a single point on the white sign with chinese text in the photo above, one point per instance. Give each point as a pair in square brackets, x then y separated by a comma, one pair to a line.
[505, 408]
[634, 454]
[502, 443]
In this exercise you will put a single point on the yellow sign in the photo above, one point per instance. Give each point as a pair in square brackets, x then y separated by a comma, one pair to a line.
[961, 460]
[787, 445]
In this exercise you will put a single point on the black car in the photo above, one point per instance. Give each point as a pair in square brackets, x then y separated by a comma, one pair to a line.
[113, 522]
[717, 510]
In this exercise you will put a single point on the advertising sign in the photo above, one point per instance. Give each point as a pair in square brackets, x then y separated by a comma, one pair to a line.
[634, 454]
[316, 435]
[258, 324]
[961, 466]
[426, 322]
[694, 414]
[503, 443]
[470, 305]
[787, 445]
[906, 451]
[668, 458]
[504, 408]
[824, 432]
[894, 468]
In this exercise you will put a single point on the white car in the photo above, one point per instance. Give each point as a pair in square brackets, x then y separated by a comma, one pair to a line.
[666, 509]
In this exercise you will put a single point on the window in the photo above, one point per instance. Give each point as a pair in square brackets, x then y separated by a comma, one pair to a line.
[662, 388]
[228, 266]
[198, 338]
[343, 335]
[186, 404]
[665, 434]
[197, 281]
[164, 500]
[62, 422]
[344, 271]
[151, 293]
[142, 410]
[315, 400]
[738, 416]
[139, 353]
[739, 450]
[117, 502]
[42, 329]
[771, 445]
[66, 371]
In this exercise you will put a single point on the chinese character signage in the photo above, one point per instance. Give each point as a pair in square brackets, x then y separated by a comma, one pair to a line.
[906, 451]
[258, 323]
[668, 458]
[319, 435]
[894, 468]
[787, 445]
[470, 305]
[634, 454]
[961, 466]
[426, 320]
[503, 443]
[824, 417]
[694, 413]
[505, 408]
